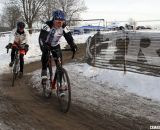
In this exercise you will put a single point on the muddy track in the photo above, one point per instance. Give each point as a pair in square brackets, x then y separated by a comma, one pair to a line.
[23, 108]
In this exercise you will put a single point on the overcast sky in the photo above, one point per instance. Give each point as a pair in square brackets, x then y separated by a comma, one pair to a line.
[122, 9]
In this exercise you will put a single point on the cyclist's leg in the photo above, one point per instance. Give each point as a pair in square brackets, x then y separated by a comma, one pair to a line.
[21, 57]
[12, 57]
[57, 55]
[44, 60]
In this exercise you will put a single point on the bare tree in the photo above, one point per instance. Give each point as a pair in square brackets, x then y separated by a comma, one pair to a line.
[47, 9]
[34, 10]
[11, 13]
[72, 8]
[30, 9]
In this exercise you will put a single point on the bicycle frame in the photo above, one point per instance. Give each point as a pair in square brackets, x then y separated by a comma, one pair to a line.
[61, 78]
[16, 62]
[16, 65]
[58, 67]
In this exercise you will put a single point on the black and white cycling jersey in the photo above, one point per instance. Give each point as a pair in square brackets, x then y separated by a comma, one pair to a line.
[51, 35]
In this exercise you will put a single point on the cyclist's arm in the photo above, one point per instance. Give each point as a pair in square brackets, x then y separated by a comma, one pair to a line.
[45, 30]
[68, 36]
[43, 35]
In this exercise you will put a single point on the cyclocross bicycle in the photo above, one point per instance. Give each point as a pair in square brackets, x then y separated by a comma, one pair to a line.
[16, 66]
[60, 83]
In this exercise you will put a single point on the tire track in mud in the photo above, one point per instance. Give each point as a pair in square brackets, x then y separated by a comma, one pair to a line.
[23, 108]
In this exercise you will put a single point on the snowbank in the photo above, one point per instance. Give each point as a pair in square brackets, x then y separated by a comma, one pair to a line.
[107, 92]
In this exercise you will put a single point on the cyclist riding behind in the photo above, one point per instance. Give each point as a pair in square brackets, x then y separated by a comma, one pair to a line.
[18, 40]
[49, 37]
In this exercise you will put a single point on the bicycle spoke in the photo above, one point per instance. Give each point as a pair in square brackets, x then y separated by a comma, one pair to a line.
[64, 92]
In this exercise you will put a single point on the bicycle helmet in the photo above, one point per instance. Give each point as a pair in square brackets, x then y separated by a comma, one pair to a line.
[58, 15]
[20, 24]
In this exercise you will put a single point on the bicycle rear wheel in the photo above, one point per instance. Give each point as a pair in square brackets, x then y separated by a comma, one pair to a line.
[63, 90]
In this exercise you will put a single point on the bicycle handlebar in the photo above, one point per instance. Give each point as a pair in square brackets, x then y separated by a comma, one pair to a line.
[10, 48]
[48, 47]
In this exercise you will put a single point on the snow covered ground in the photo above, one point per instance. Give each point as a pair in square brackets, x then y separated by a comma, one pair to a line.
[96, 82]
[140, 84]
[106, 91]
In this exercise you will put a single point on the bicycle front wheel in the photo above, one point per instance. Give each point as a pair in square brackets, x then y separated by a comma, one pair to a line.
[63, 90]
[15, 73]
